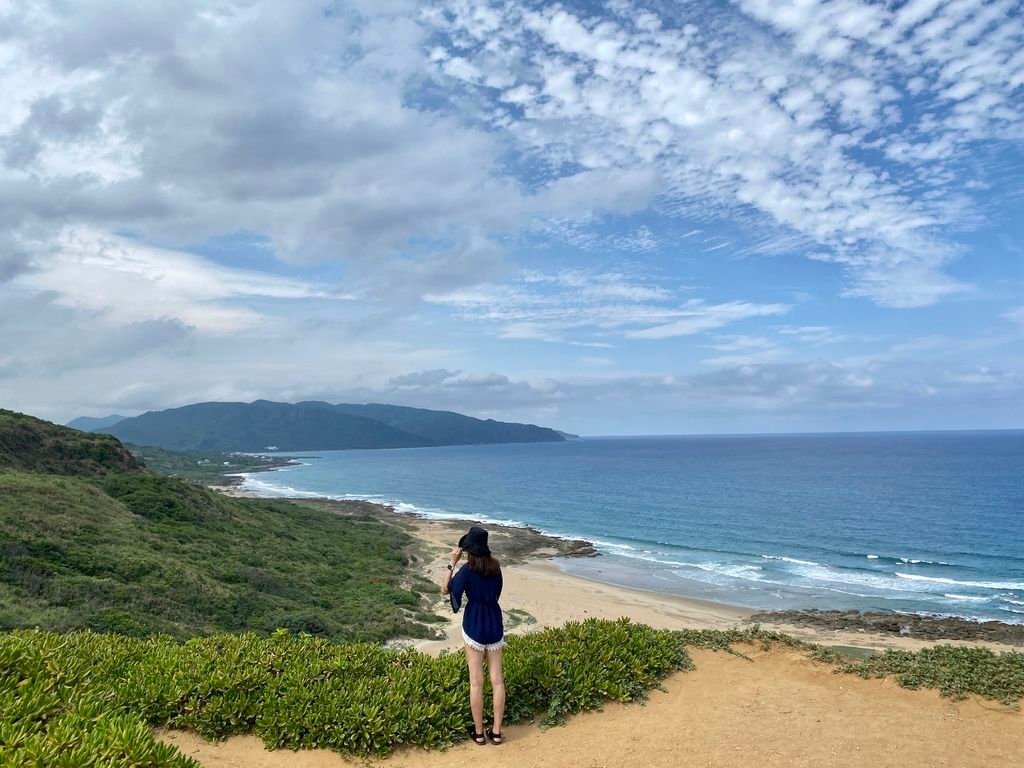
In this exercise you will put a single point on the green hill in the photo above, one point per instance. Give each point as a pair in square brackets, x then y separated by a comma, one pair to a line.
[255, 426]
[449, 428]
[33, 445]
[315, 426]
[90, 538]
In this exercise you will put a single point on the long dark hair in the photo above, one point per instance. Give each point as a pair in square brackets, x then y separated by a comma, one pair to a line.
[485, 566]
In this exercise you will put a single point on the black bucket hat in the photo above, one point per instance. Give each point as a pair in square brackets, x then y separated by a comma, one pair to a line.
[475, 542]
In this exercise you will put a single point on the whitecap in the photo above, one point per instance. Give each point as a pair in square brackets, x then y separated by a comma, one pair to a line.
[978, 584]
[789, 560]
[972, 598]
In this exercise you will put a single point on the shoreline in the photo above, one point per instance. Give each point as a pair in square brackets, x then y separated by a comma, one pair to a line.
[795, 602]
[761, 707]
[540, 593]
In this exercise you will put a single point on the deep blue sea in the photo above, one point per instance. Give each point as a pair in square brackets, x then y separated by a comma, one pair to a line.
[924, 522]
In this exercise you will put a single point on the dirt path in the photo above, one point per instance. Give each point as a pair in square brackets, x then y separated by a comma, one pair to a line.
[781, 709]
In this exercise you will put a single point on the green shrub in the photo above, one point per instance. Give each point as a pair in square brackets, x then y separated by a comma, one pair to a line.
[955, 671]
[86, 699]
[87, 696]
[139, 554]
[157, 498]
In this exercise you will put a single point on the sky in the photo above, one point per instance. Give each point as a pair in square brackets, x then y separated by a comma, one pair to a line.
[615, 217]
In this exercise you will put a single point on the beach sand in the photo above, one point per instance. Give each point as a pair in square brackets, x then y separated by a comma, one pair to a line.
[534, 584]
[777, 709]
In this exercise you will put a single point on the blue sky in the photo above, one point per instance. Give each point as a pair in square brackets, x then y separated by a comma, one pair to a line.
[613, 218]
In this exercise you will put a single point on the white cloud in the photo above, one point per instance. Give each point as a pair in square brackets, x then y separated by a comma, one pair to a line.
[771, 395]
[332, 157]
[172, 123]
[436, 148]
[697, 317]
[1015, 315]
[774, 125]
[126, 283]
[744, 350]
[813, 335]
[592, 308]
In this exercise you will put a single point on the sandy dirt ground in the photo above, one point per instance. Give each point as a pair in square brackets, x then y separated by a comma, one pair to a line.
[779, 709]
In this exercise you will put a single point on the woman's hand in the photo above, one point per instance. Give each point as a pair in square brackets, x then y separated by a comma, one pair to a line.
[455, 556]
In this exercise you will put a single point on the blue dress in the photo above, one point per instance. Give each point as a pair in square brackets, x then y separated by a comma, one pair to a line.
[481, 621]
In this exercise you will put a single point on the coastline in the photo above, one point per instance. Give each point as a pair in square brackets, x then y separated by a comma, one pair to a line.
[763, 707]
[540, 593]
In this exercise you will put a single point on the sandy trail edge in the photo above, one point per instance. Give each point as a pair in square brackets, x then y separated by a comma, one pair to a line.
[781, 709]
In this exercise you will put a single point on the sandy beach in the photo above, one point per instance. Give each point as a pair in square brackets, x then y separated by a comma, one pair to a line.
[536, 586]
[776, 708]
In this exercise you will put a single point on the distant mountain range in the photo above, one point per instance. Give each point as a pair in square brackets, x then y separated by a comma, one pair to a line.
[90, 424]
[310, 426]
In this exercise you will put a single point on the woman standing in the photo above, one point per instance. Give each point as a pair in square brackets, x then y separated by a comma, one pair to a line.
[480, 581]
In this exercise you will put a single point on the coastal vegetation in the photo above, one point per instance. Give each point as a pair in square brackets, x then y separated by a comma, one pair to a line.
[91, 539]
[218, 468]
[955, 671]
[87, 699]
[33, 445]
[921, 627]
[306, 426]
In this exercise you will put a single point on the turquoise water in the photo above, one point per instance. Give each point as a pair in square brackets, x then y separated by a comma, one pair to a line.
[924, 522]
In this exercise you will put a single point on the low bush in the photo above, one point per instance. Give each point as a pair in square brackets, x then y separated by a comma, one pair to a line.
[86, 699]
[954, 670]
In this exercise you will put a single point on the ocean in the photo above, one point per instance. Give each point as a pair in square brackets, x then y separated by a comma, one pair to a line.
[922, 522]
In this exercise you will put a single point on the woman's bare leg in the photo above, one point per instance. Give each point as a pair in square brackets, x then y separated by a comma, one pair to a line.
[475, 660]
[497, 687]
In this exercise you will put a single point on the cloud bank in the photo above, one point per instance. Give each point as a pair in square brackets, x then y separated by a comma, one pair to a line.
[751, 205]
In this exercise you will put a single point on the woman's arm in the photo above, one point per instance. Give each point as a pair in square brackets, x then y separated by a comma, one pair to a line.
[456, 555]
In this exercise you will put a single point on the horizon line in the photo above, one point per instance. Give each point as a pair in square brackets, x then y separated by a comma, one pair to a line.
[805, 434]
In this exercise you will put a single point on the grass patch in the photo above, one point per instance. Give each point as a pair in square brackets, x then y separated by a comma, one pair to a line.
[516, 617]
[88, 699]
[956, 672]
[852, 652]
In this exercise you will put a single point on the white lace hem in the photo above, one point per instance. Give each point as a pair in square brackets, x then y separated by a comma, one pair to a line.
[481, 646]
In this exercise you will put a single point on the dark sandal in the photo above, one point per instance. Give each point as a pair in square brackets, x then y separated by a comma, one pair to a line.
[494, 738]
[479, 738]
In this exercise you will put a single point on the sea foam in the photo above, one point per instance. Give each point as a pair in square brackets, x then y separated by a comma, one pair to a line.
[979, 584]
